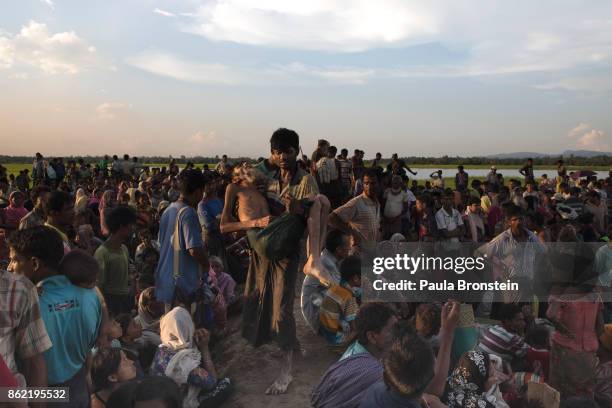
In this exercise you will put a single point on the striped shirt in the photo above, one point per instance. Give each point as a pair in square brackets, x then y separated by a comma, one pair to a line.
[338, 309]
[345, 383]
[499, 341]
[22, 330]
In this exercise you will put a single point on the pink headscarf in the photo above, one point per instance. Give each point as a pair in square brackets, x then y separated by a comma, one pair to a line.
[13, 214]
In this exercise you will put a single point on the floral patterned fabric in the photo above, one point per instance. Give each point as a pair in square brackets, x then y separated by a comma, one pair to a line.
[465, 387]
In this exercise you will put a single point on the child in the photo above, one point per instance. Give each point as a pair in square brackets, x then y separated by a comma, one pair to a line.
[82, 270]
[340, 304]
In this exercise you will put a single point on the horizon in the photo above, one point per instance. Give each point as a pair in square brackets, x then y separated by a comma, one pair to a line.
[190, 77]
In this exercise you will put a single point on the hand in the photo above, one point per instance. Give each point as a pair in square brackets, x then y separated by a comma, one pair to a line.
[450, 315]
[291, 204]
[263, 222]
[202, 337]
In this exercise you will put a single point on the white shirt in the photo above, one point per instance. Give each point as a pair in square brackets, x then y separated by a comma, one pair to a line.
[395, 203]
[449, 222]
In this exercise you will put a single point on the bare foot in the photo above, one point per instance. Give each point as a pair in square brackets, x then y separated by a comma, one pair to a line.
[317, 271]
[280, 385]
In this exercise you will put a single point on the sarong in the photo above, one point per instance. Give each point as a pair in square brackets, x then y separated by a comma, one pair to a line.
[572, 373]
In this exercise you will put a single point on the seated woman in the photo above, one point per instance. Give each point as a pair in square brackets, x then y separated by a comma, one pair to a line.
[474, 383]
[184, 357]
[276, 238]
[110, 368]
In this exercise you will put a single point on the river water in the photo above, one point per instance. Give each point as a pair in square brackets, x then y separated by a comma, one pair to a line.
[423, 174]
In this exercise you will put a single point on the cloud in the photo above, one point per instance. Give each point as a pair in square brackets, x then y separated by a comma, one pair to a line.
[163, 13]
[59, 53]
[174, 67]
[111, 110]
[207, 141]
[589, 138]
[49, 3]
[587, 84]
[498, 37]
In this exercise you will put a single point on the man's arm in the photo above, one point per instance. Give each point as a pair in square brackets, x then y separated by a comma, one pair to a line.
[336, 222]
[200, 256]
[35, 372]
[449, 320]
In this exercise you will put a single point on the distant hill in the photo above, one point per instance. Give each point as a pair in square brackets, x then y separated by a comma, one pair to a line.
[567, 153]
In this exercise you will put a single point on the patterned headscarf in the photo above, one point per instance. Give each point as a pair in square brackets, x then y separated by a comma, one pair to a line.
[465, 388]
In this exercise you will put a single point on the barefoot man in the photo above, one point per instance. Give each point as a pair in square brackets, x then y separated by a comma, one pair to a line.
[270, 286]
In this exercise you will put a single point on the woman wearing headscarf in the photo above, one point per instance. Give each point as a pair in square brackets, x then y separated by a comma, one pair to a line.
[149, 313]
[184, 357]
[12, 215]
[474, 383]
[80, 201]
[105, 203]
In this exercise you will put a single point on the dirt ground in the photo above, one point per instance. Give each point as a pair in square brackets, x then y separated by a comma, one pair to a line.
[252, 370]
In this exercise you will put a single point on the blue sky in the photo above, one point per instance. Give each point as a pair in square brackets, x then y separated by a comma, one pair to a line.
[210, 77]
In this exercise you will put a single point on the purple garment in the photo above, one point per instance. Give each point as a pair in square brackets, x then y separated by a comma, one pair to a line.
[345, 383]
[198, 377]
[227, 286]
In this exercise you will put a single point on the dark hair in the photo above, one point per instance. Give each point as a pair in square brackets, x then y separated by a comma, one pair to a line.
[41, 242]
[146, 279]
[333, 150]
[538, 336]
[79, 267]
[344, 152]
[372, 317]
[350, 267]
[105, 362]
[426, 199]
[191, 180]
[513, 210]
[120, 216]
[122, 396]
[38, 191]
[282, 139]
[473, 200]
[334, 239]
[158, 388]
[409, 365]
[56, 201]
[579, 402]
[508, 311]
[372, 173]
[124, 320]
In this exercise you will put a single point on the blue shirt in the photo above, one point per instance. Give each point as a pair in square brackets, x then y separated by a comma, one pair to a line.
[72, 316]
[189, 237]
[208, 211]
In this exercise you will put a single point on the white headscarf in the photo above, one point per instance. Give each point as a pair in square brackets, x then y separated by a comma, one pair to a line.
[177, 329]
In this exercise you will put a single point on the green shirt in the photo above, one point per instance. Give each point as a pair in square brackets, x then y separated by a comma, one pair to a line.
[113, 278]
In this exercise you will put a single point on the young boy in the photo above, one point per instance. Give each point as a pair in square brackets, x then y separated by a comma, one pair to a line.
[114, 261]
[340, 304]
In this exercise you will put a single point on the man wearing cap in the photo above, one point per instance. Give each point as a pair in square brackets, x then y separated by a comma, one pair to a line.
[492, 177]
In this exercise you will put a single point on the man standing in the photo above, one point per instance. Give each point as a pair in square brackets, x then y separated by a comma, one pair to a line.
[492, 178]
[360, 217]
[527, 171]
[270, 286]
[59, 208]
[223, 166]
[450, 224]
[461, 180]
[346, 170]
[36, 217]
[23, 337]
[400, 165]
[182, 257]
[114, 260]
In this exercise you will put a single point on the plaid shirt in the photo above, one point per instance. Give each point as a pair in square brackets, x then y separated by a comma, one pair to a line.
[22, 331]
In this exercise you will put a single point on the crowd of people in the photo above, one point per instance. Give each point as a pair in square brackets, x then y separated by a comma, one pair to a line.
[118, 278]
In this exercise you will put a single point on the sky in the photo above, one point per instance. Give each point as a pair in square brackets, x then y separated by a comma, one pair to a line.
[192, 77]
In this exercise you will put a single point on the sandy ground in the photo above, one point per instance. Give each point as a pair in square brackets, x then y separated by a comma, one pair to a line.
[252, 370]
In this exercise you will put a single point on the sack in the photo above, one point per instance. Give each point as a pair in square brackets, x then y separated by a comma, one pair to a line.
[280, 238]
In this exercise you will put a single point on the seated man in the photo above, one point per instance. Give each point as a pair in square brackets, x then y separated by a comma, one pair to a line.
[345, 382]
[339, 307]
[276, 237]
[506, 340]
